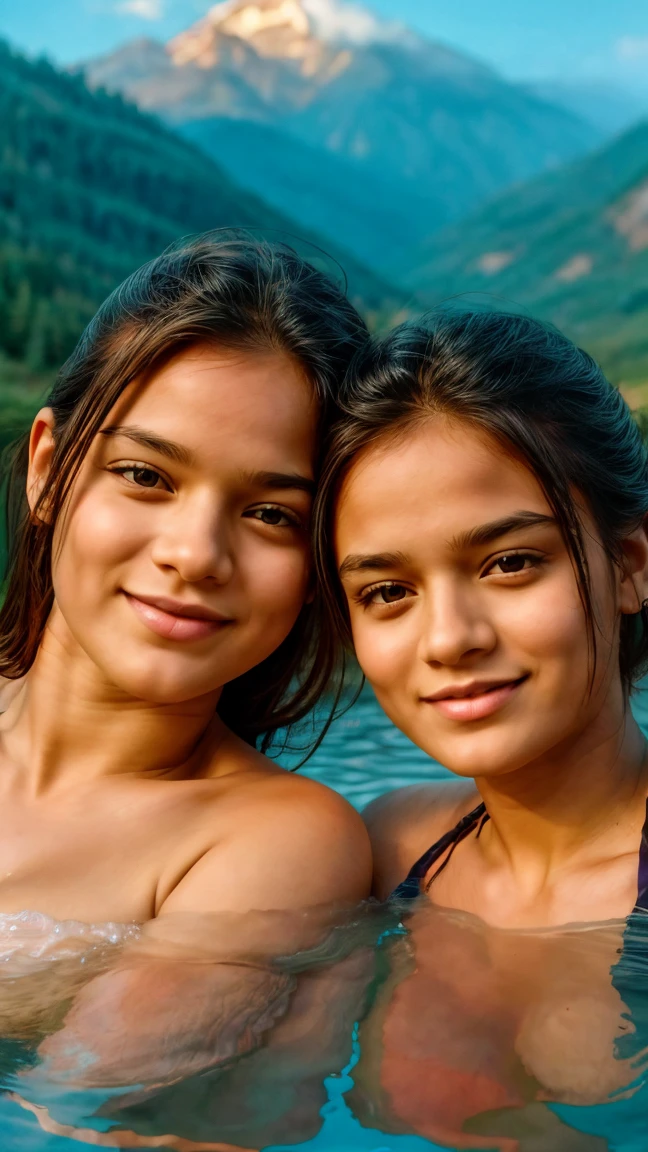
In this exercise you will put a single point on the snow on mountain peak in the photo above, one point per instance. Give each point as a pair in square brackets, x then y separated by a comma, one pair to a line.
[238, 18]
[333, 21]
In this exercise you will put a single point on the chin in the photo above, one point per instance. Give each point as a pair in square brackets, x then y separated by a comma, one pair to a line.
[478, 753]
[488, 760]
[159, 681]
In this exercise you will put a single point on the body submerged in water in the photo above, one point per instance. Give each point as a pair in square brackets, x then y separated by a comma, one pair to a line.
[484, 503]
[160, 618]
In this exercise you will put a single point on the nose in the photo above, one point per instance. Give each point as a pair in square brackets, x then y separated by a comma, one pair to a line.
[456, 627]
[196, 540]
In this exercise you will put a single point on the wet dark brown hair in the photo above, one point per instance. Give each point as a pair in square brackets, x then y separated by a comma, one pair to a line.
[535, 392]
[234, 291]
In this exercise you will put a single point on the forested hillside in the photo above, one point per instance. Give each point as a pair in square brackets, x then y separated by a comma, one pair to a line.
[572, 246]
[89, 189]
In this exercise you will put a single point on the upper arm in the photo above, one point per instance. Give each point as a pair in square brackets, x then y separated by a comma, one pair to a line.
[402, 825]
[300, 847]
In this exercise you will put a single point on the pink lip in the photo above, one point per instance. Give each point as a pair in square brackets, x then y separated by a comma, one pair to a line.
[476, 702]
[174, 620]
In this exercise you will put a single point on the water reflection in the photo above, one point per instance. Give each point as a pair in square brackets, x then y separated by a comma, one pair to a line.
[478, 1032]
[436, 1032]
[176, 1045]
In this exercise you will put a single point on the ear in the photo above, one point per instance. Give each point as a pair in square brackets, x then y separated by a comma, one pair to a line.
[41, 450]
[633, 587]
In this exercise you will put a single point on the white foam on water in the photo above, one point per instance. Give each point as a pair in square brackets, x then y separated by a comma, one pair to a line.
[30, 940]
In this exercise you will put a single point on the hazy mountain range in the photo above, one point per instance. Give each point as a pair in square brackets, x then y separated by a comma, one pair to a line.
[307, 117]
[344, 121]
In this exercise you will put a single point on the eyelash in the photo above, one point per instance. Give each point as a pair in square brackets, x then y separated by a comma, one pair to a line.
[365, 598]
[535, 559]
[124, 469]
[291, 518]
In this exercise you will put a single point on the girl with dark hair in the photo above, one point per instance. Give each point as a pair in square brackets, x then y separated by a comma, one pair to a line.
[483, 504]
[482, 544]
[159, 620]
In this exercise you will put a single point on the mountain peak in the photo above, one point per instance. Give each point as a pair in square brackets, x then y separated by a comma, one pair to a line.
[284, 29]
[330, 20]
[260, 20]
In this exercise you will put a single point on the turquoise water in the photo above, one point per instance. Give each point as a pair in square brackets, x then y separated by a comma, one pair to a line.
[363, 756]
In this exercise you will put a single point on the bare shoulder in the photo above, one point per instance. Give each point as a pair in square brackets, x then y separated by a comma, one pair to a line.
[278, 840]
[317, 825]
[295, 796]
[404, 823]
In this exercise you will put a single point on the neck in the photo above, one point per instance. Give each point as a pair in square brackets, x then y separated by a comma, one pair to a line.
[65, 724]
[559, 806]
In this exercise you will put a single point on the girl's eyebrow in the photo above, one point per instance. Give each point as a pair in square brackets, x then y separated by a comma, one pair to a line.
[280, 480]
[150, 440]
[376, 563]
[486, 533]
[182, 455]
[473, 538]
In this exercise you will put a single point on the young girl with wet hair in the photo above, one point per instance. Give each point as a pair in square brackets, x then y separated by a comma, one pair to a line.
[159, 620]
[482, 541]
[481, 538]
[158, 614]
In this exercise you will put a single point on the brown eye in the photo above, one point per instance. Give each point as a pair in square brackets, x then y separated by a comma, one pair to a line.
[384, 595]
[392, 593]
[511, 564]
[273, 516]
[145, 477]
[140, 475]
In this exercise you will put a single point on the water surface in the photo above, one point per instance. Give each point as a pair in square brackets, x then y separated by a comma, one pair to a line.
[443, 1035]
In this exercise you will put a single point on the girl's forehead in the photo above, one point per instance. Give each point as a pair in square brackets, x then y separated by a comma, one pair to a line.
[205, 397]
[440, 464]
[222, 378]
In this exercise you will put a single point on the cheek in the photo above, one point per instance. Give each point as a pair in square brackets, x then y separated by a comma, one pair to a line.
[95, 537]
[276, 585]
[546, 627]
[384, 649]
[543, 624]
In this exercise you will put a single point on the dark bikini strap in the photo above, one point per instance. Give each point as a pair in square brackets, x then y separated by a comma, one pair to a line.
[642, 879]
[411, 886]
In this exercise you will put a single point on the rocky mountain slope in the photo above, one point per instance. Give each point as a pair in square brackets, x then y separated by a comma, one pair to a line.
[406, 116]
[572, 246]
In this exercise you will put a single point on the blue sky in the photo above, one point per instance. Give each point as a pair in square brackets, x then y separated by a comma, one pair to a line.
[602, 39]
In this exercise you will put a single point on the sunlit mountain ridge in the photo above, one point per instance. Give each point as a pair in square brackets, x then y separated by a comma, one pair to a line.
[402, 117]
